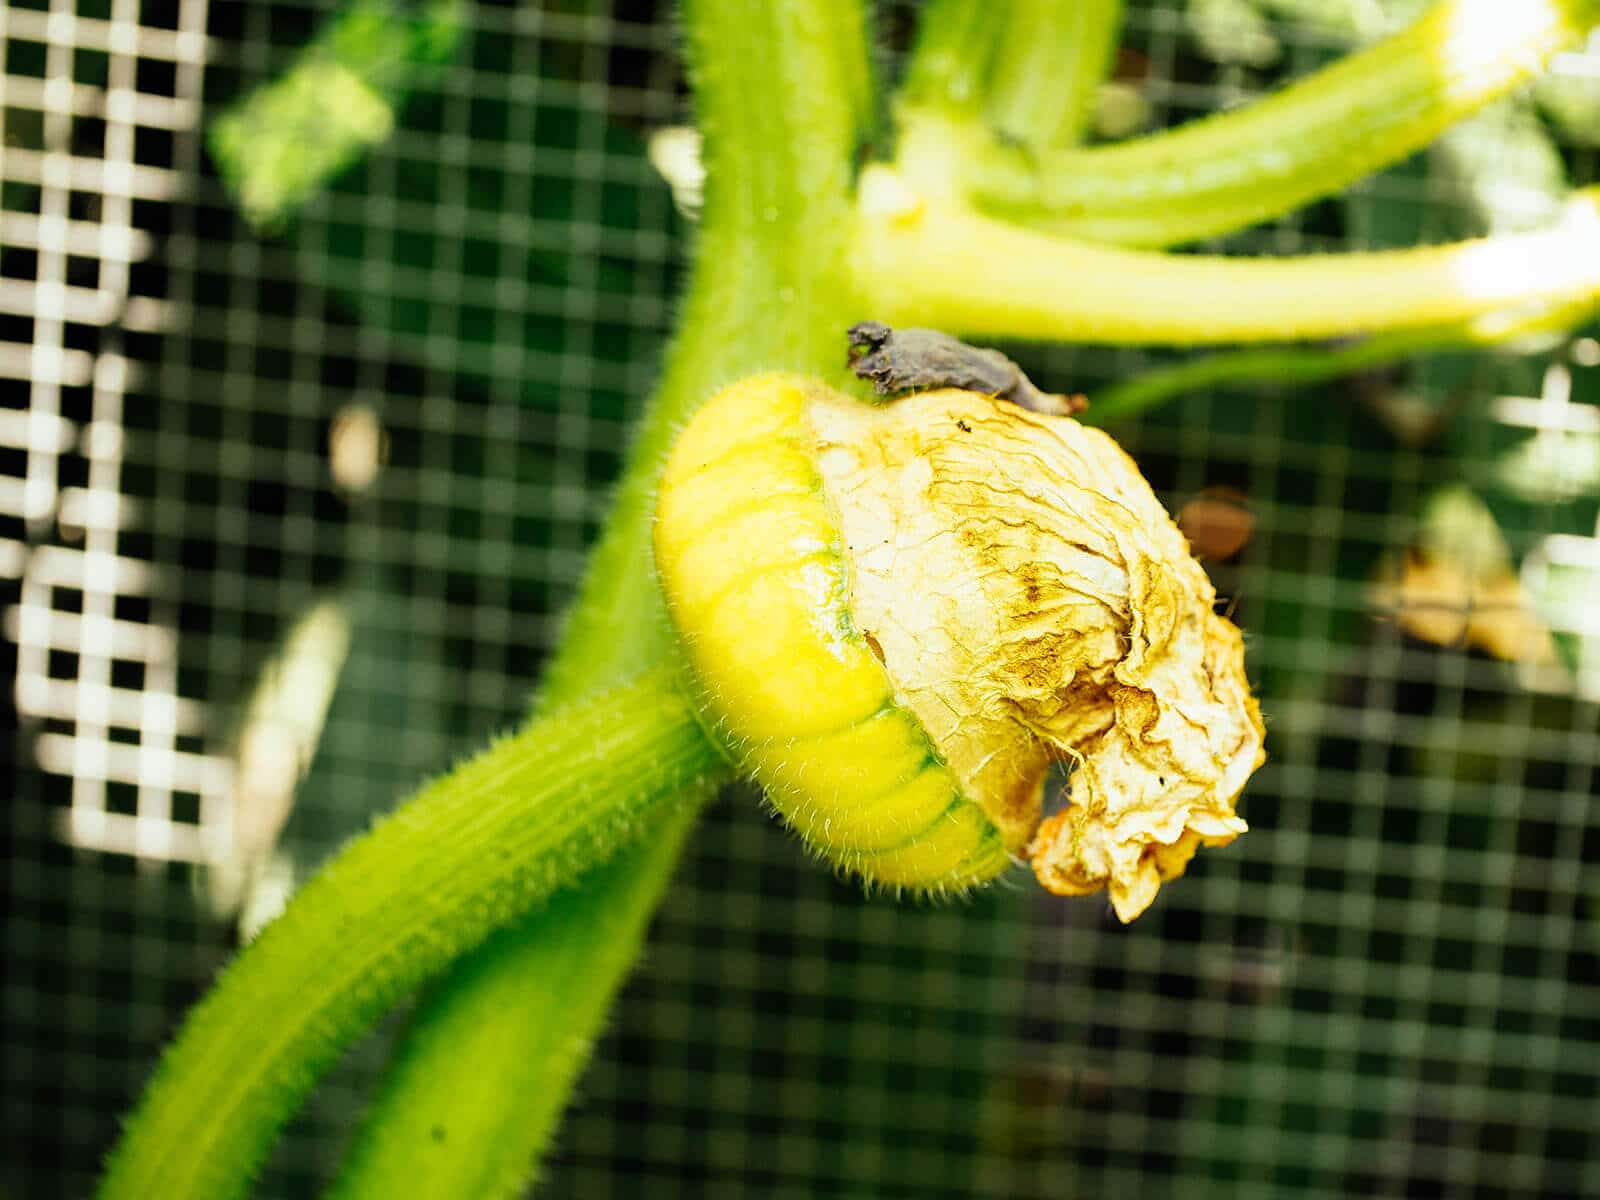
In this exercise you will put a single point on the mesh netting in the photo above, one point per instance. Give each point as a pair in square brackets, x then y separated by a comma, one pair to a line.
[1388, 988]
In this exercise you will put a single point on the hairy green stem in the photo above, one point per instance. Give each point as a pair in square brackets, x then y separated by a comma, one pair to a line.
[1228, 171]
[502, 1039]
[498, 1028]
[924, 261]
[770, 289]
[1053, 56]
[464, 858]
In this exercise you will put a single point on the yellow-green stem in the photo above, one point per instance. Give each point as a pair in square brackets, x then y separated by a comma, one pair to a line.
[952, 61]
[1053, 56]
[923, 261]
[1228, 171]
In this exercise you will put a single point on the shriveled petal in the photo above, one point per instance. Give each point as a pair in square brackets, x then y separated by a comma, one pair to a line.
[1033, 602]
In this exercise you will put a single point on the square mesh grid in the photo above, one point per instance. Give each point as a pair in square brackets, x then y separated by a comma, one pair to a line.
[1388, 988]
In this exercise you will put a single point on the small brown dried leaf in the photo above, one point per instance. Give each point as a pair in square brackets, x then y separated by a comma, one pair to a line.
[1438, 601]
[1456, 585]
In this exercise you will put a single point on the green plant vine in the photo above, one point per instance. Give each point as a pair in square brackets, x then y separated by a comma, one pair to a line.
[488, 841]
[1227, 171]
[535, 866]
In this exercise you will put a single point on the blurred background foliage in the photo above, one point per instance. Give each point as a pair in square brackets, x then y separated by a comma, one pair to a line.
[396, 288]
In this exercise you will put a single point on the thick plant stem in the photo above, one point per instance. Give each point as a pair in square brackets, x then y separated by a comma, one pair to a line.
[1228, 171]
[951, 65]
[504, 1036]
[1054, 55]
[770, 289]
[927, 262]
[511, 1026]
[1028, 67]
[465, 857]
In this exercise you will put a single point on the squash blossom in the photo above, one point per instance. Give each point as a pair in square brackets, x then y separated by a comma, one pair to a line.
[899, 619]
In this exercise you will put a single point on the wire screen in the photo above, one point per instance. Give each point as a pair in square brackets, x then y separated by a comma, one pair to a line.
[292, 504]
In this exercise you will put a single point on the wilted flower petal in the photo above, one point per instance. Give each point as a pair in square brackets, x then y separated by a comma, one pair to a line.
[1032, 602]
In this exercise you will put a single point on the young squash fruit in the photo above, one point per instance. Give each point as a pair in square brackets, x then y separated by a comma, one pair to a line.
[898, 618]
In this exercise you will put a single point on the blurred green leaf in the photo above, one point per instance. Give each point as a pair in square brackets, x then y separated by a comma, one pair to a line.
[282, 144]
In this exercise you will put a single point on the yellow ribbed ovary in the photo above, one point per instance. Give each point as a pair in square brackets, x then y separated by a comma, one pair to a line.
[751, 566]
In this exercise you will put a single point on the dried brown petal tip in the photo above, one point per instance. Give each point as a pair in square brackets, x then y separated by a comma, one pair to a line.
[1160, 779]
